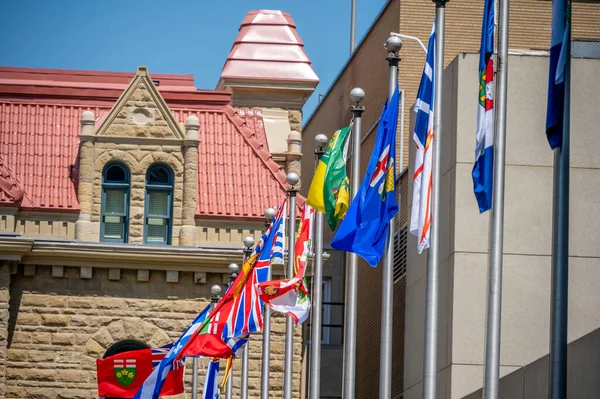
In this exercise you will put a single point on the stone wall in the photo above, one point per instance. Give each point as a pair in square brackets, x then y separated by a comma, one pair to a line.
[4, 303]
[59, 326]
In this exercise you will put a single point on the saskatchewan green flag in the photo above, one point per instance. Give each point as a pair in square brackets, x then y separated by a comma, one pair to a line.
[329, 190]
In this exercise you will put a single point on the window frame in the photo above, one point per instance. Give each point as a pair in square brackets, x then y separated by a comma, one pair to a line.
[169, 188]
[125, 186]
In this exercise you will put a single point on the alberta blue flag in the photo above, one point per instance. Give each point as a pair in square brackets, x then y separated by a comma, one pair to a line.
[211, 383]
[559, 48]
[364, 228]
[151, 388]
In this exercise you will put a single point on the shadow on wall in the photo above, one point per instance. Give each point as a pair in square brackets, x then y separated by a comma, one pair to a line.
[583, 369]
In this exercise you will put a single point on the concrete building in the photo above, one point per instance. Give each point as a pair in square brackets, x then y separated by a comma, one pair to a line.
[367, 68]
[124, 197]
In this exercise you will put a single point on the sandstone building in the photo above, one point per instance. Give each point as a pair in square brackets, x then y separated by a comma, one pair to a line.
[124, 197]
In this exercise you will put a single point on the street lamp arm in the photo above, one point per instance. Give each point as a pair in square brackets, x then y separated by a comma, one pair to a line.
[416, 39]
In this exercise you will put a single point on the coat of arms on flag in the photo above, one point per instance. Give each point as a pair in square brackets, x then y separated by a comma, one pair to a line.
[124, 370]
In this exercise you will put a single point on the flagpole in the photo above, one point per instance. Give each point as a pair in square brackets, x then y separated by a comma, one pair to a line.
[560, 244]
[352, 26]
[234, 268]
[321, 141]
[492, 351]
[433, 258]
[266, 349]
[292, 179]
[356, 95]
[195, 377]
[248, 244]
[393, 45]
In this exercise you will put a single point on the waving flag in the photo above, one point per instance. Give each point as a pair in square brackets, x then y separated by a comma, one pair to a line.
[328, 191]
[365, 226]
[155, 382]
[483, 169]
[559, 51]
[239, 312]
[291, 296]
[211, 383]
[420, 217]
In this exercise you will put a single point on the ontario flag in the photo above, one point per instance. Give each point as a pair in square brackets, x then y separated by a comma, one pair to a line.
[121, 375]
[291, 296]
[483, 169]
[420, 217]
[239, 312]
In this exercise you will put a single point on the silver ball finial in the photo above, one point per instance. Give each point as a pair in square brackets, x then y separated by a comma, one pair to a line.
[270, 214]
[292, 178]
[321, 140]
[357, 95]
[216, 290]
[393, 44]
[248, 241]
[234, 268]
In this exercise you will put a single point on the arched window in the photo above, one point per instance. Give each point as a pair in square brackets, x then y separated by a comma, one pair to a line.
[159, 203]
[115, 203]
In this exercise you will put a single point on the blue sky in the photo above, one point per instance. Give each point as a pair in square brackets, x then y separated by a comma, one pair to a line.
[176, 36]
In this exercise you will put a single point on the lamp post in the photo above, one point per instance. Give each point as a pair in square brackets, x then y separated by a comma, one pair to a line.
[266, 350]
[248, 244]
[234, 269]
[292, 179]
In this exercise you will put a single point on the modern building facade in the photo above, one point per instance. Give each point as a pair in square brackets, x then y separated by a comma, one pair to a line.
[124, 197]
[529, 33]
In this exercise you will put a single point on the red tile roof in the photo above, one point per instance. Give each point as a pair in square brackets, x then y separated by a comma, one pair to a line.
[39, 128]
[268, 47]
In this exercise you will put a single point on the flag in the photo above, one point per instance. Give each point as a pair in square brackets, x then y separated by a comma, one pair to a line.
[211, 383]
[483, 169]
[121, 375]
[239, 312]
[420, 217]
[559, 48]
[153, 384]
[365, 226]
[328, 192]
[291, 296]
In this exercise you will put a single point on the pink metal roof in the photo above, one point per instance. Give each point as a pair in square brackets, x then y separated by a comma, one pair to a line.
[39, 146]
[268, 48]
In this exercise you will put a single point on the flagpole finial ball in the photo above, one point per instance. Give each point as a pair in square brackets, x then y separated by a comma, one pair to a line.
[321, 140]
[393, 44]
[292, 178]
[357, 94]
[233, 268]
[248, 241]
[216, 290]
[270, 214]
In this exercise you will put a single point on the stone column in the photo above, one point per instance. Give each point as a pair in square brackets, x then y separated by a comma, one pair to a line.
[187, 234]
[4, 315]
[83, 226]
[294, 154]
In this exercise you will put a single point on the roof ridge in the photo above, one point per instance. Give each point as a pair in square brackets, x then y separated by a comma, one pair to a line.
[10, 185]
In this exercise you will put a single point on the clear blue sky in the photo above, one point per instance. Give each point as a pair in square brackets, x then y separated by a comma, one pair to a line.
[174, 36]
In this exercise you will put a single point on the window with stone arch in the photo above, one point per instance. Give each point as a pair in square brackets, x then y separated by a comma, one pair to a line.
[158, 217]
[114, 221]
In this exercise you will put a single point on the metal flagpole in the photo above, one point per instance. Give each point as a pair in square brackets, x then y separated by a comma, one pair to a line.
[317, 299]
[292, 179]
[234, 269]
[195, 378]
[496, 237]
[356, 95]
[433, 258]
[393, 45]
[248, 244]
[560, 246]
[266, 349]
[352, 26]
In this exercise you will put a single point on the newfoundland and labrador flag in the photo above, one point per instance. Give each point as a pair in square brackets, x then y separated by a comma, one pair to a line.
[559, 56]
[121, 375]
[483, 169]
[291, 296]
[420, 217]
[364, 228]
